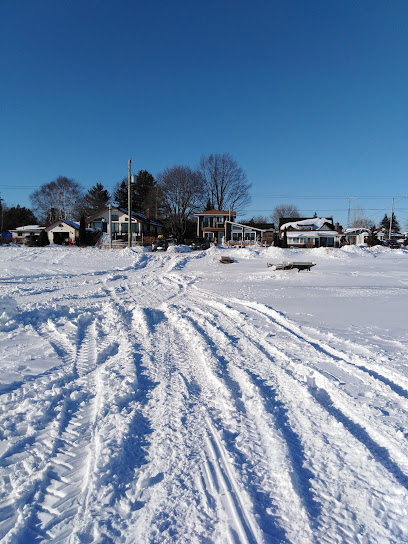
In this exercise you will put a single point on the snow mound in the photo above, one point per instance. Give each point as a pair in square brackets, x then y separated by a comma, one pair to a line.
[179, 249]
[8, 313]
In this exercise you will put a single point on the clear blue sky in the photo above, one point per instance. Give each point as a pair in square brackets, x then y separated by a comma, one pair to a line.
[310, 97]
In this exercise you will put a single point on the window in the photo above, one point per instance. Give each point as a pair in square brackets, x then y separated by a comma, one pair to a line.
[115, 217]
[124, 228]
[115, 227]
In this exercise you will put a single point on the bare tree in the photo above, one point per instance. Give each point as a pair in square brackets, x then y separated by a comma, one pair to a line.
[289, 211]
[182, 190]
[57, 200]
[225, 183]
[359, 219]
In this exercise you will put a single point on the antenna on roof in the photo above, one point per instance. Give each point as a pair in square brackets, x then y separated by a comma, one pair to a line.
[349, 198]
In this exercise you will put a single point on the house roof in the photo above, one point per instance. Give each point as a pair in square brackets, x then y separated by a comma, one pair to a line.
[135, 215]
[250, 227]
[29, 227]
[315, 222]
[71, 224]
[216, 212]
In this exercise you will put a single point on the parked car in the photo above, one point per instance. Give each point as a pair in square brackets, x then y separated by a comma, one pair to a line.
[160, 244]
[199, 243]
[392, 244]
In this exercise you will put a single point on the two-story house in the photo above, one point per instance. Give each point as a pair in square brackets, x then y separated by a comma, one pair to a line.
[211, 224]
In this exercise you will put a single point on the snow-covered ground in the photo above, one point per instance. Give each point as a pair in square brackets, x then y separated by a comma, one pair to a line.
[149, 398]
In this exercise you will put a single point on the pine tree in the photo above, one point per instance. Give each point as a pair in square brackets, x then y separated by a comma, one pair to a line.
[144, 192]
[82, 232]
[385, 223]
[372, 239]
[96, 198]
[209, 205]
[120, 195]
[43, 239]
[17, 216]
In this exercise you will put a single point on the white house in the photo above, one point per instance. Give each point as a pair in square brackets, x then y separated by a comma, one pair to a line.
[314, 232]
[356, 236]
[26, 233]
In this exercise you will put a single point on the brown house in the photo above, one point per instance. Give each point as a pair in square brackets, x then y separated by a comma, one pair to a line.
[211, 224]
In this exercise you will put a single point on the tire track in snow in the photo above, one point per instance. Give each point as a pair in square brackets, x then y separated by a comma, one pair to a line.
[178, 419]
[387, 436]
[350, 361]
[264, 443]
[57, 453]
[260, 353]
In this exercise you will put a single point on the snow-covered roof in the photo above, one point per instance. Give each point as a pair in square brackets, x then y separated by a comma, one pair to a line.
[315, 222]
[72, 224]
[29, 227]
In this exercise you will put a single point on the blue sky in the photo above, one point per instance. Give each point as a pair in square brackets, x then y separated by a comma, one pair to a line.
[310, 97]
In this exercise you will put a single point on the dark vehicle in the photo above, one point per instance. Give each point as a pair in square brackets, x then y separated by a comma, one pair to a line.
[392, 244]
[160, 244]
[199, 243]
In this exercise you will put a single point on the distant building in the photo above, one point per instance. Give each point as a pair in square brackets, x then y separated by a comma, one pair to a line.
[309, 232]
[28, 233]
[141, 224]
[211, 224]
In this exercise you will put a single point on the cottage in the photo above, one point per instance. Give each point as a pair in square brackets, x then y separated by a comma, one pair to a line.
[141, 224]
[248, 234]
[356, 236]
[305, 232]
[25, 234]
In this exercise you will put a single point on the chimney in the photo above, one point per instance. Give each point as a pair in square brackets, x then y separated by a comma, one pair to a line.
[148, 214]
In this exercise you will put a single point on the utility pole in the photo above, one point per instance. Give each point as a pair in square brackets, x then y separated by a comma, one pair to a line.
[392, 213]
[1, 205]
[129, 205]
[110, 225]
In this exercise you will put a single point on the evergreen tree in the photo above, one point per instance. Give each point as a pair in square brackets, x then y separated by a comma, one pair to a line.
[372, 239]
[120, 194]
[17, 216]
[285, 239]
[96, 198]
[43, 239]
[385, 223]
[145, 193]
[209, 205]
[82, 232]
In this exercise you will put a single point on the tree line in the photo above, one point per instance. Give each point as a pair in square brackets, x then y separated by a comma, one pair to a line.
[173, 197]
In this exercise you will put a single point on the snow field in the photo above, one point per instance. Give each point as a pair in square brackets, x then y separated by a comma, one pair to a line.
[170, 398]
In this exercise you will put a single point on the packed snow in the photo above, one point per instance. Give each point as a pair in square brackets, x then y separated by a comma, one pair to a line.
[170, 398]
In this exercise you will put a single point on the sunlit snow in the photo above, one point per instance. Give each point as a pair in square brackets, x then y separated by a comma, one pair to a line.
[170, 398]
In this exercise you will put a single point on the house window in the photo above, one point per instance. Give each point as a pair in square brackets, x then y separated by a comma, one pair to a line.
[205, 222]
[124, 228]
[115, 217]
[115, 227]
